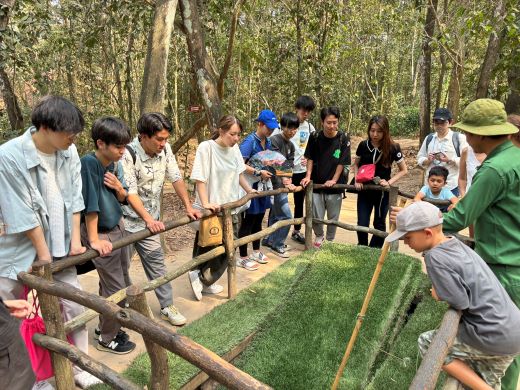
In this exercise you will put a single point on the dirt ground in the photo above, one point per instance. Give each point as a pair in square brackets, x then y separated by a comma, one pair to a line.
[179, 243]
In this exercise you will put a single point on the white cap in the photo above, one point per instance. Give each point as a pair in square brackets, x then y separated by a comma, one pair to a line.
[417, 216]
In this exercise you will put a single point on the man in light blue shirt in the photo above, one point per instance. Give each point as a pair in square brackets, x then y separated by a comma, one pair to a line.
[41, 203]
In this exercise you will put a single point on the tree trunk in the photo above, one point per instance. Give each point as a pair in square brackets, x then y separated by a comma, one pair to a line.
[153, 89]
[513, 100]
[425, 68]
[490, 59]
[456, 81]
[11, 102]
[299, 48]
[128, 77]
[201, 63]
[442, 73]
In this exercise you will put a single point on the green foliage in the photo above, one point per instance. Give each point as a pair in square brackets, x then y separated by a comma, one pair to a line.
[405, 122]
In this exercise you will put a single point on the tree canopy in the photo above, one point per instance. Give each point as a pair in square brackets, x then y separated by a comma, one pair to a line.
[240, 56]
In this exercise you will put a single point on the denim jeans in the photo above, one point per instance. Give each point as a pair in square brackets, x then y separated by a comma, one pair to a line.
[280, 211]
[366, 202]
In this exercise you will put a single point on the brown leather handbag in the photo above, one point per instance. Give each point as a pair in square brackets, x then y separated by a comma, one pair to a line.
[210, 231]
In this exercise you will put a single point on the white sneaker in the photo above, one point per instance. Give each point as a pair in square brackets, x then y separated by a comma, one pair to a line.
[213, 289]
[259, 257]
[85, 380]
[173, 315]
[43, 385]
[196, 284]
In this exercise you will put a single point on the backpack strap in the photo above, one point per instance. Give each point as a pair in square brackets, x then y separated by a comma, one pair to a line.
[132, 152]
[456, 142]
[429, 138]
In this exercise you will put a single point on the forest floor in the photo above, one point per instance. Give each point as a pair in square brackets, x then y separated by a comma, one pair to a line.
[179, 243]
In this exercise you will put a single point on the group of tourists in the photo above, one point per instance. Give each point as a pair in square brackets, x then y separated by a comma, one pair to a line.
[55, 204]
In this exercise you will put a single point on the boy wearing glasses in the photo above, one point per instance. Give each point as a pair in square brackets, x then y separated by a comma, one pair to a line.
[443, 148]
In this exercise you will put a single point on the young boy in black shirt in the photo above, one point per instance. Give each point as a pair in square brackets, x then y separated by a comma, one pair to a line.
[102, 223]
[327, 152]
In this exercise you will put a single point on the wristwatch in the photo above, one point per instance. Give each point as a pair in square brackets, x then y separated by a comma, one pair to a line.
[257, 172]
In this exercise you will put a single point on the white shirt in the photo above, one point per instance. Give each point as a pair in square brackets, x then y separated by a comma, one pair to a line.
[444, 145]
[55, 205]
[220, 168]
[300, 140]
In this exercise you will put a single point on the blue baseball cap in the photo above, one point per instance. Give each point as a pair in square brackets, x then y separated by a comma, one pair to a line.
[268, 118]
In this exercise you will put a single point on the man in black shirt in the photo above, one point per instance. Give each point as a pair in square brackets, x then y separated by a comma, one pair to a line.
[328, 151]
[15, 367]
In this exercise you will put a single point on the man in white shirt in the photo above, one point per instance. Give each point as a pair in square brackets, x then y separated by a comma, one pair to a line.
[443, 148]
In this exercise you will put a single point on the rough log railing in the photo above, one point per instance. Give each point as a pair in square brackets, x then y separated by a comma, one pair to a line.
[430, 368]
[156, 335]
[216, 367]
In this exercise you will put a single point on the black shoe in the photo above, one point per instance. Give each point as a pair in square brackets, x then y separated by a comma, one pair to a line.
[298, 236]
[121, 335]
[116, 346]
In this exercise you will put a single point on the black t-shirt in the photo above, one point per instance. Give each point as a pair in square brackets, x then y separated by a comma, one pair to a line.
[327, 154]
[368, 154]
[8, 326]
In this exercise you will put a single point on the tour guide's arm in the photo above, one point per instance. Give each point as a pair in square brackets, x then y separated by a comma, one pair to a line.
[485, 189]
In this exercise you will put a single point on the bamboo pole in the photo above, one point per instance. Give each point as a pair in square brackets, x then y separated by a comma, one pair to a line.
[81, 359]
[159, 377]
[230, 253]
[54, 327]
[308, 215]
[361, 315]
[208, 361]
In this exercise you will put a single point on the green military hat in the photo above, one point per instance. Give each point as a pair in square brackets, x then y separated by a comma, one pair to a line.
[486, 117]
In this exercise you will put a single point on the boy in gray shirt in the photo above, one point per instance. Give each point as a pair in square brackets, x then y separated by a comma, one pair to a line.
[488, 337]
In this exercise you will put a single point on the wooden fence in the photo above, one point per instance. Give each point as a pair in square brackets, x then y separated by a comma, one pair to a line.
[158, 337]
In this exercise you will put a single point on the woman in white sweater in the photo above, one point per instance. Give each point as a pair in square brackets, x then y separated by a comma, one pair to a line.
[218, 175]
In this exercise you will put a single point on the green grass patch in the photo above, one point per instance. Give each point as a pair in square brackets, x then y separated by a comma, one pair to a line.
[403, 359]
[228, 324]
[303, 314]
[303, 343]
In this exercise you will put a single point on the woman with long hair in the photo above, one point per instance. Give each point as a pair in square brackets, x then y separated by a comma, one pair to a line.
[218, 172]
[381, 150]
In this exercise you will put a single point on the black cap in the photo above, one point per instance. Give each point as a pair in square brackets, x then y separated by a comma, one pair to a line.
[442, 114]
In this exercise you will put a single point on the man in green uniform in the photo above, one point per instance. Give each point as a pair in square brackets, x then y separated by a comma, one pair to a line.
[492, 204]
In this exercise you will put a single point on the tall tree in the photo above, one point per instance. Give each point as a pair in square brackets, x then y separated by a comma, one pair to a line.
[11, 102]
[493, 47]
[425, 70]
[153, 89]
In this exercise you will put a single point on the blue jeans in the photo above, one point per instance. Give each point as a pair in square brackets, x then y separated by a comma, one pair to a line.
[280, 210]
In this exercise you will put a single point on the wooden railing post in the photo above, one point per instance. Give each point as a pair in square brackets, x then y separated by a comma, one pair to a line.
[392, 201]
[308, 216]
[230, 253]
[159, 377]
[54, 327]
